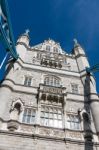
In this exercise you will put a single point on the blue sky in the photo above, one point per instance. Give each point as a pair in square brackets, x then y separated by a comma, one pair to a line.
[61, 20]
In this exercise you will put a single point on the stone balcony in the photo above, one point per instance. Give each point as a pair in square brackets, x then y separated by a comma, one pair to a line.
[51, 93]
[52, 89]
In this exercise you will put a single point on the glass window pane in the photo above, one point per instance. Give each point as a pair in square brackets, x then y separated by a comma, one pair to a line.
[46, 122]
[24, 117]
[28, 116]
[51, 115]
[74, 122]
[55, 123]
[25, 112]
[46, 115]
[72, 126]
[77, 126]
[51, 122]
[51, 81]
[76, 119]
[59, 116]
[28, 119]
[68, 124]
[55, 116]
[32, 119]
[59, 123]
[29, 111]
[59, 111]
[42, 121]
[42, 114]
[33, 113]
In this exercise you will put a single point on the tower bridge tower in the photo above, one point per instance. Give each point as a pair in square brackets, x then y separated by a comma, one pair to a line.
[48, 101]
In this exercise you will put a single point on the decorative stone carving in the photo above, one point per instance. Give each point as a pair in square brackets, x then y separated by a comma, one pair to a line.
[16, 109]
[51, 63]
[52, 90]
[51, 132]
[27, 129]
[73, 135]
[12, 125]
[43, 96]
[45, 131]
[58, 133]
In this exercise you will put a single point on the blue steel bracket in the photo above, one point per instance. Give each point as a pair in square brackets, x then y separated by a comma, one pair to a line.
[6, 34]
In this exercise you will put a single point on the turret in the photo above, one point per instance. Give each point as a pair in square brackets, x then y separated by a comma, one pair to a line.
[23, 44]
[80, 55]
[94, 101]
[88, 82]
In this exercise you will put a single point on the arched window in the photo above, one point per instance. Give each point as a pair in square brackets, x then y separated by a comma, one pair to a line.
[53, 81]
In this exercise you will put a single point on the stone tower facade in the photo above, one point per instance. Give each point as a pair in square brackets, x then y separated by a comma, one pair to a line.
[48, 101]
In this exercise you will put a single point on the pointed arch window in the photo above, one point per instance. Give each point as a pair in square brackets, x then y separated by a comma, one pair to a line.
[52, 81]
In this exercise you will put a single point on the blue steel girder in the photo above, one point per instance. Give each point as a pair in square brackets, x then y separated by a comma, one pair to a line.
[6, 34]
[95, 68]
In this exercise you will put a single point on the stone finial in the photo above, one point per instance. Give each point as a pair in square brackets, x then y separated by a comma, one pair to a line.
[75, 43]
[27, 31]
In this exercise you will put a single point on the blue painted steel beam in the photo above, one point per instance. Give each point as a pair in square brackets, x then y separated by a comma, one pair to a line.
[95, 68]
[6, 34]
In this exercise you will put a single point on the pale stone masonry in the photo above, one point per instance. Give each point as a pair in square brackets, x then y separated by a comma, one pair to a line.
[48, 101]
